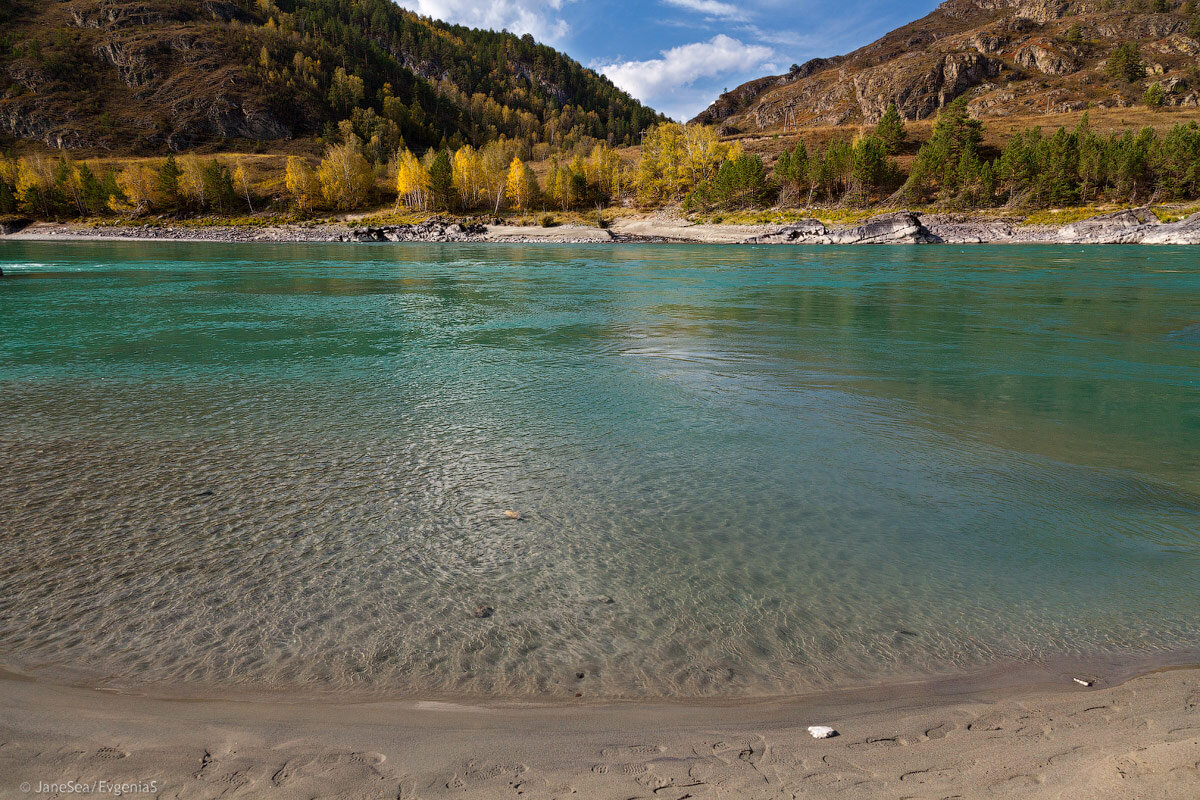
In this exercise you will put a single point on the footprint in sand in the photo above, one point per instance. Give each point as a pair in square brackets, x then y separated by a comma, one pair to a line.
[927, 776]
[621, 752]
[108, 754]
[939, 731]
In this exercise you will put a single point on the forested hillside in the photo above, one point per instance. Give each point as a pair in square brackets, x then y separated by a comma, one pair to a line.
[145, 76]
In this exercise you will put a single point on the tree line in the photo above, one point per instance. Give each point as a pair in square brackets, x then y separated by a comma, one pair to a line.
[1036, 170]
[685, 165]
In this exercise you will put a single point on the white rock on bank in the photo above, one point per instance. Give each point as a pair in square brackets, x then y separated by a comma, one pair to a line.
[822, 731]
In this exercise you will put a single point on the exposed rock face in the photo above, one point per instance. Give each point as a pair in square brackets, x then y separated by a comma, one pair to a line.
[1045, 59]
[169, 69]
[793, 233]
[959, 229]
[1116, 228]
[1185, 231]
[30, 119]
[1135, 226]
[431, 230]
[1009, 56]
[13, 225]
[901, 227]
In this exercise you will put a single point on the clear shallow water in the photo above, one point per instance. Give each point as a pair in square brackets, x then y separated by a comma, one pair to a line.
[788, 468]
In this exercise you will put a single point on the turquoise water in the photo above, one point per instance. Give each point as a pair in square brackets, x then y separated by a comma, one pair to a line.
[787, 468]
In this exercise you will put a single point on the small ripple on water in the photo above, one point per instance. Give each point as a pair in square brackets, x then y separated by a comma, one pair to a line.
[208, 563]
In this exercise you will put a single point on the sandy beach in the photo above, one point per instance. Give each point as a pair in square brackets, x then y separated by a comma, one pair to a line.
[1049, 739]
[257, 539]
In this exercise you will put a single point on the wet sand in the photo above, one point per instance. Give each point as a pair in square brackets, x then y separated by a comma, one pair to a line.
[1048, 739]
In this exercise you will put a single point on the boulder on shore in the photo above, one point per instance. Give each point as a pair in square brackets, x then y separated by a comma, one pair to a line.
[434, 229]
[899, 227]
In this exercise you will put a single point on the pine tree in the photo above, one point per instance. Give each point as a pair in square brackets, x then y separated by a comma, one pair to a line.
[791, 171]
[1125, 64]
[441, 181]
[168, 181]
[8, 200]
[219, 190]
[891, 130]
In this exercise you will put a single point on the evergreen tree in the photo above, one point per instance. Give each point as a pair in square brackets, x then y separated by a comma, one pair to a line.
[1154, 96]
[955, 135]
[441, 181]
[1125, 64]
[91, 193]
[8, 199]
[741, 182]
[168, 181]
[870, 169]
[891, 130]
[791, 171]
[219, 191]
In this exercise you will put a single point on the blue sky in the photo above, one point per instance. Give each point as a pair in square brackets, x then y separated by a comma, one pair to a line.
[678, 55]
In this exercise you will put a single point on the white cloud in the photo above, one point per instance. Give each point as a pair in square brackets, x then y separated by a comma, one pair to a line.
[709, 8]
[661, 81]
[538, 17]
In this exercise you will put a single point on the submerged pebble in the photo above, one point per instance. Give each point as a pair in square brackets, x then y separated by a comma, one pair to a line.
[483, 612]
[512, 514]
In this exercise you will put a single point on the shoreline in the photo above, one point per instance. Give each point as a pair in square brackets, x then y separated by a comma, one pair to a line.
[1047, 737]
[1101, 670]
[1130, 226]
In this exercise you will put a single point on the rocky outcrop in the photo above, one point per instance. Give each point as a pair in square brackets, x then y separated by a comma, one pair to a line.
[1045, 59]
[1137, 226]
[431, 230]
[1119, 227]
[1184, 231]
[901, 227]
[11, 225]
[131, 60]
[734, 102]
[1132, 226]
[799, 232]
[30, 118]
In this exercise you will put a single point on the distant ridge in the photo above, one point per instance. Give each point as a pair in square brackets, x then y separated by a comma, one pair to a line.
[1011, 57]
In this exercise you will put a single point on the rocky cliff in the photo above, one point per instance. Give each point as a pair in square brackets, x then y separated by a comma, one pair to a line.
[1009, 56]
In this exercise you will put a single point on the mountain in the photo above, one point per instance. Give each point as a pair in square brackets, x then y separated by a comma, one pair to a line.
[156, 75]
[1011, 57]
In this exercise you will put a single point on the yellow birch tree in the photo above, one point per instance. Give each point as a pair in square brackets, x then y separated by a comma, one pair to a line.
[412, 181]
[302, 183]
